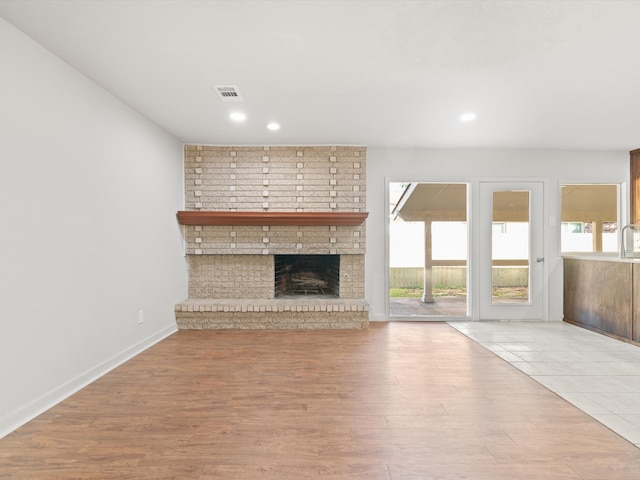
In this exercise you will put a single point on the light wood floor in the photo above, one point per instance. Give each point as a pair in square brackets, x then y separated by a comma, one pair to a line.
[399, 401]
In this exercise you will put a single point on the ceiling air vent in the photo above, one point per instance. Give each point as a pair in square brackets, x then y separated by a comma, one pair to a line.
[229, 93]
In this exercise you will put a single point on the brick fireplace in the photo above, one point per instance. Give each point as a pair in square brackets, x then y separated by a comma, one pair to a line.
[275, 237]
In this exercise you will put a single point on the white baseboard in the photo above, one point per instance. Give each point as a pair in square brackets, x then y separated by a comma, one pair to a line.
[19, 417]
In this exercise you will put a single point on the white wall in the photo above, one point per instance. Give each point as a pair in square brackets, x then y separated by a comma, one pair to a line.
[551, 167]
[88, 235]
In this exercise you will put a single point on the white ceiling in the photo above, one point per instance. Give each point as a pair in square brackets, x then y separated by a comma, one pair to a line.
[539, 74]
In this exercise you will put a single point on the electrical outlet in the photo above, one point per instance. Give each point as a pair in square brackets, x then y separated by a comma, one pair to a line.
[140, 317]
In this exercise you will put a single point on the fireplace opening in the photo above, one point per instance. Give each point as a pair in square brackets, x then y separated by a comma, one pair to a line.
[301, 275]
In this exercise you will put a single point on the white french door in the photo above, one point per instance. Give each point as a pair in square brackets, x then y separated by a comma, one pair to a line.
[511, 260]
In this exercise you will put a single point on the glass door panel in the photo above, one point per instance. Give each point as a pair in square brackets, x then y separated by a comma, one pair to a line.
[510, 247]
[428, 250]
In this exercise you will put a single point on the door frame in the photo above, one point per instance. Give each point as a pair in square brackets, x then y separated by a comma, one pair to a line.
[473, 211]
[535, 309]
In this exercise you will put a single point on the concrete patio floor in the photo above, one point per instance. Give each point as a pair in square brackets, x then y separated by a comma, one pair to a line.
[415, 307]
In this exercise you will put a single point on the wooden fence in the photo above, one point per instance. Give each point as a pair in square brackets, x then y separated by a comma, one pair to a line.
[412, 277]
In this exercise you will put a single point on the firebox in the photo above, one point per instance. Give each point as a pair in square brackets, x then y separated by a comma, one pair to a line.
[301, 275]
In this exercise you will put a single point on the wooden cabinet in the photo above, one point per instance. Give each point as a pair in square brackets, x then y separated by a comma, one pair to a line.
[603, 295]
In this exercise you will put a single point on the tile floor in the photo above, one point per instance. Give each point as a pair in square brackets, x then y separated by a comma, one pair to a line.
[597, 374]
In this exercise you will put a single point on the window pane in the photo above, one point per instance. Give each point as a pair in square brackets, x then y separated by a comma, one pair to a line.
[510, 247]
[589, 218]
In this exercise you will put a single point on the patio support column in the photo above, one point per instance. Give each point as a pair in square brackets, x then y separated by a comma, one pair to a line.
[427, 296]
[596, 235]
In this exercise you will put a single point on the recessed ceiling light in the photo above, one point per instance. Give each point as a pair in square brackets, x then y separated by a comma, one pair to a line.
[273, 126]
[237, 116]
[468, 117]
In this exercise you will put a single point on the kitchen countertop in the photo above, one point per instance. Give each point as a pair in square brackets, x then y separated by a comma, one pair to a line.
[602, 257]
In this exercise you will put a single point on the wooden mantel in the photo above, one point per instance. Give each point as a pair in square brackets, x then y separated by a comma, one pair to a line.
[198, 217]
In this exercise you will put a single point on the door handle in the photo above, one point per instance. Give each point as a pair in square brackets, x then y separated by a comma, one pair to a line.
[539, 259]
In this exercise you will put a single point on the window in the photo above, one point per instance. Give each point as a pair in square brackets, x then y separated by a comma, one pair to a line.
[589, 218]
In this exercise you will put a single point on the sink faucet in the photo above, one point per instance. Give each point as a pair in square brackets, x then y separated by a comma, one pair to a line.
[631, 226]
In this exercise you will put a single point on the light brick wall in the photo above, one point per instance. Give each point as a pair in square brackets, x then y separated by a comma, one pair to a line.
[265, 240]
[352, 276]
[321, 179]
[272, 179]
[231, 276]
